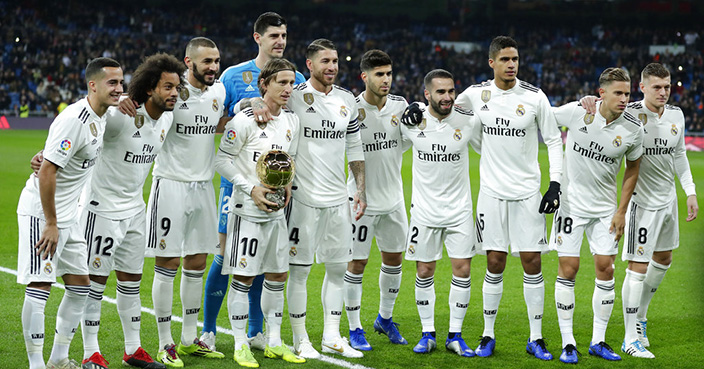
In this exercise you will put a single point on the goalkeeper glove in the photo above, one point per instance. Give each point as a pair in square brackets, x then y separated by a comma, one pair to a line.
[412, 115]
[551, 199]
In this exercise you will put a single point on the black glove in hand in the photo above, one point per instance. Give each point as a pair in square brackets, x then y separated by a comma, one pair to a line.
[551, 199]
[412, 115]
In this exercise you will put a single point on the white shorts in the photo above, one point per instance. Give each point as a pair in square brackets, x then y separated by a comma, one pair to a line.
[255, 248]
[320, 233]
[568, 231]
[389, 229]
[425, 243]
[501, 223]
[648, 231]
[114, 244]
[70, 257]
[181, 219]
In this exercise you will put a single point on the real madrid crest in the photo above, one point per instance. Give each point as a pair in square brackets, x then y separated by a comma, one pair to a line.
[520, 110]
[411, 249]
[588, 118]
[288, 135]
[139, 121]
[184, 94]
[394, 121]
[422, 124]
[486, 95]
[617, 141]
[343, 111]
[674, 130]
[243, 263]
[247, 77]
[559, 240]
[97, 263]
[457, 135]
[308, 98]
[292, 252]
[93, 129]
[162, 244]
[643, 118]
[362, 114]
[215, 105]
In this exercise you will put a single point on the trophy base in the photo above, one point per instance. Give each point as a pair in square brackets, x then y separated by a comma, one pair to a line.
[279, 197]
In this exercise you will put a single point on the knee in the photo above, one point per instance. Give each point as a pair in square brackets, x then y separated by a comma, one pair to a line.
[357, 266]
[424, 270]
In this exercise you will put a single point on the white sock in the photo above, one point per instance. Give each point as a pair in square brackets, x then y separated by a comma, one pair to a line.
[389, 285]
[460, 289]
[238, 309]
[492, 290]
[331, 295]
[33, 325]
[91, 319]
[534, 295]
[653, 278]
[67, 319]
[129, 308]
[564, 301]
[603, 305]
[297, 296]
[425, 302]
[273, 309]
[191, 299]
[630, 294]
[353, 298]
[162, 298]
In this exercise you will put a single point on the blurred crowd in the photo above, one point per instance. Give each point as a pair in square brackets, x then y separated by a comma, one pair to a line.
[45, 48]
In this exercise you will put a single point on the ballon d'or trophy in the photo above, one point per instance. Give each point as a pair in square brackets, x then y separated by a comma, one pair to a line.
[275, 170]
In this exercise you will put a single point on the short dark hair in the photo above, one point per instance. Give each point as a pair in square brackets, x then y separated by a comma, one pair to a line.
[654, 70]
[499, 43]
[271, 69]
[197, 42]
[613, 75]
[436, 73]
[266, 20]
[148, 75]
[374, 58]
[317, 45]
[95, 67]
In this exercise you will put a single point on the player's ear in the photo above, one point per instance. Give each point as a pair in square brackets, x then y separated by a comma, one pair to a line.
[257, 38]
[641, 85]
[309, 64]
[364, 77]
[491, 63]
[426, 93]
[91, 85]
[602, 91]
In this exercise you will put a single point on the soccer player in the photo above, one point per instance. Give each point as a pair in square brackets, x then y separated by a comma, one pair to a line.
[441, 207]
[181, 210]
[652, 223]
[595, 148]
[240, 83]
[50, 239]
[509, 207]
[257, 237]
[385, 217]
[113, 217]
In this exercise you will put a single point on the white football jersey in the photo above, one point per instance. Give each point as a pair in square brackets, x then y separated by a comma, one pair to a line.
[442, 195]
[329, 130]
[664, 156]
[188, 153]
[383, 154]
[74, 142]
[243, 142]
[508, 168]
[130, 146]
[594, 154]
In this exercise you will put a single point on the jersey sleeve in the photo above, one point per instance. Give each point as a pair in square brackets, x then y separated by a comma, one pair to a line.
[682, 165]
[635, 151]
[296, 132]
[115, 122]
[464, 101]
[353, 139]
[552, 137]
[63, 139]
[231, 144]
[299, 78]
[231, 96]
[475, 133]
[564, 114]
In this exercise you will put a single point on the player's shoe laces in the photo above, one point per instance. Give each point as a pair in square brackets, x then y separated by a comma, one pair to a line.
[604, 351]
[95, 361]
[538, 349]
[169, 357]
[305, 349]
[244, 357]
[63, 364]
[209, 339]
[342, 347]
[426, 344]
[284, 353]
[569, 354]
[358, 341]
[641, 329]
[141, 359]
[636, 349]
[390, 329]
[257, 342]
[199, 348]
[486, 347]
[457, 345]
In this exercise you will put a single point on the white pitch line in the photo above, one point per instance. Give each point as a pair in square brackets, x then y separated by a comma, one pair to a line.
[229, 332]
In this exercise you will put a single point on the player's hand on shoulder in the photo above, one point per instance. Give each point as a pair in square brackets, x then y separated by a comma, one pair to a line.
[261, 111]
[551, 199]
[589, 103]
[36, 161]
[413, 115]
[128, 107]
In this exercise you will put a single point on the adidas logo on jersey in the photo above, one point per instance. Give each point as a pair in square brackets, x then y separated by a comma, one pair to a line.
[183, 106]
[136, 135]
[484, 108]
[263, 135]
[310, 110]
[583, 129]
[421, 135]
[249, 88]
[362, 126]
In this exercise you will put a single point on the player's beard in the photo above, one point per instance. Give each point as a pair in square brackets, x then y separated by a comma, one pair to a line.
[160, 103]
[200, 77]
[441, 111]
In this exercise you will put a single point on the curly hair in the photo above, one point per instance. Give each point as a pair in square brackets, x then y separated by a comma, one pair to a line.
[148, 74]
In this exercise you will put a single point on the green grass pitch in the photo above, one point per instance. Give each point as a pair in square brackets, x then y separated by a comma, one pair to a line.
[676, 315]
